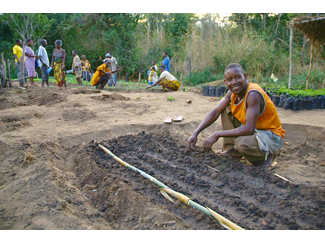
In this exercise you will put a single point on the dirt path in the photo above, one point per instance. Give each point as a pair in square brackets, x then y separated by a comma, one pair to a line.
[53, 177]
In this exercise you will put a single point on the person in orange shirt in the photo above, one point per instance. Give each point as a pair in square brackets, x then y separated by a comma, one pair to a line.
[103, 74]
[250, 122]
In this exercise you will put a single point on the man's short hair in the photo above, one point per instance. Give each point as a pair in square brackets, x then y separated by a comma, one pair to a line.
[18, 40]
[234, 65]
[75, 51]
[165, 52]
[162, 66]
[42, 40]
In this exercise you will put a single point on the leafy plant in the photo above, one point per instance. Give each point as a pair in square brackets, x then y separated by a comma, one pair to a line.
[170, 98]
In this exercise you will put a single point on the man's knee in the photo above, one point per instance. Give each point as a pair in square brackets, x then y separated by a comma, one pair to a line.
[244, 143]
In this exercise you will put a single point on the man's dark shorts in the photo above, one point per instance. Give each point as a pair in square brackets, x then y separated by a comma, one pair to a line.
[45, 75]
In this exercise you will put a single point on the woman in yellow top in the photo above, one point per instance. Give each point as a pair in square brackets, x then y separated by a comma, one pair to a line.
[166, 80]
[102, 74]
[250, 122]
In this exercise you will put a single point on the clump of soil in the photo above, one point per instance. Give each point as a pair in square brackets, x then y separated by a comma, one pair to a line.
[111, 97]
[5, 104]
[252, 197]
[77, 114]
[84, 90]
[13, 122]
[44, 97]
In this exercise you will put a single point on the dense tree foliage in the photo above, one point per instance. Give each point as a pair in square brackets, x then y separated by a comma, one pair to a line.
[200, 46]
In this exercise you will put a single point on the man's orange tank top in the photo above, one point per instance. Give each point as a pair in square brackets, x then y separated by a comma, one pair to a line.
[268, 119]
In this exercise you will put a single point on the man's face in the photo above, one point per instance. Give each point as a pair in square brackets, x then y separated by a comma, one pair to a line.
[235, 80]
[44, 43]
[19, 43]
[164, 54]
[83, 57]
[161, 70]
[108, 63]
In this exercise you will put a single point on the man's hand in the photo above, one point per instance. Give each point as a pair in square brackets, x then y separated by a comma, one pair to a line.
[148, 87]
[192, 141]
[120, 68]
[207, 144]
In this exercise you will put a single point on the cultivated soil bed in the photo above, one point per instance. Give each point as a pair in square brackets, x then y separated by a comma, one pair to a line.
[53, 175]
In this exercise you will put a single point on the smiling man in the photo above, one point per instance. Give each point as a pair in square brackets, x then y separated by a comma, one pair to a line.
[250, 123]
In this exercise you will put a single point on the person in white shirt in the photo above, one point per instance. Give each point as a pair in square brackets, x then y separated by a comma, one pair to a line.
[43, 62]
[166, 80]
[114, 67]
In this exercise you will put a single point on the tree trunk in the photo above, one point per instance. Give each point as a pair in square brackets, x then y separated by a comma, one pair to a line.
[302, 56]
[189, 58]
[291, 62]
[3, 70]
[311, 63]
[139, 80]
[9, 80]
[276, 30]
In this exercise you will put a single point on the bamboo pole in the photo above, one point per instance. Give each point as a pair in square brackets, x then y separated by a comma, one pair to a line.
[222, 220]
[311, 62]
[18, 79]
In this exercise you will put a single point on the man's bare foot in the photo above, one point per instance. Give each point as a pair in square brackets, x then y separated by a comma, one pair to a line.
[232, 153]
[265, 163]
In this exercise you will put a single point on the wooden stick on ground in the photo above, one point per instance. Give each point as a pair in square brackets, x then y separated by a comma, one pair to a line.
[281, 177]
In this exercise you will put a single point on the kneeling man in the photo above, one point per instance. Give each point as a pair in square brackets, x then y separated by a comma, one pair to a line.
[250, 123]
[166, 80]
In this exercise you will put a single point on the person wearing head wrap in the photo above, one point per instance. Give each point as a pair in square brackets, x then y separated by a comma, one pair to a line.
[58, 64]
[103, 75]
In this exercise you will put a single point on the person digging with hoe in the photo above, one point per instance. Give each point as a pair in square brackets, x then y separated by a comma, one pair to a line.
[166, 80]
[251, 127]
[103, 74]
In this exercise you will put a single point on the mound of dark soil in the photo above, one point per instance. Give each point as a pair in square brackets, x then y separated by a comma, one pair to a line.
[252, 197]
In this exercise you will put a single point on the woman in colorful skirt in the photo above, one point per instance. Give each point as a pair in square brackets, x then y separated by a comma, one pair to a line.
[166, 80]
[30, 58]
[58, 64]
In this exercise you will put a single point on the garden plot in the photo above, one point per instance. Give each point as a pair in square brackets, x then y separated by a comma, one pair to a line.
[53, 175]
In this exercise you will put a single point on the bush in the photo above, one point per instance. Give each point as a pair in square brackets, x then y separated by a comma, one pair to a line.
[199, 77]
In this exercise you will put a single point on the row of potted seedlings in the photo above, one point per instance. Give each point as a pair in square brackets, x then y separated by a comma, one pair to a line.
[297, 101]
[284, 98]
[214, 91]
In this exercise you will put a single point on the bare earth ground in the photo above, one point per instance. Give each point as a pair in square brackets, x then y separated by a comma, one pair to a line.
[53, 176]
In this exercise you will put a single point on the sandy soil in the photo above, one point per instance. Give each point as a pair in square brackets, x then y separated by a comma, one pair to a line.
[52, 175]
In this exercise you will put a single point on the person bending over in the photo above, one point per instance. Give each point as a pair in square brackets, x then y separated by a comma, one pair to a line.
[166, 80]
[250, 123]
[102, 74]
